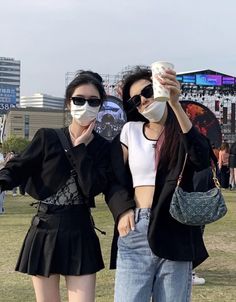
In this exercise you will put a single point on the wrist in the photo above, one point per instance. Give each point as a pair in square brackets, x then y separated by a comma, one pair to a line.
[175, 105]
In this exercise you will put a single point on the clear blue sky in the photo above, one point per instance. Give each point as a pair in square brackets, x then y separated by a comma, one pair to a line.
[52, 37]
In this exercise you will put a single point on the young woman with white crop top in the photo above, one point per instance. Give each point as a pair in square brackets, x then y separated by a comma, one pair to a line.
[155, 253]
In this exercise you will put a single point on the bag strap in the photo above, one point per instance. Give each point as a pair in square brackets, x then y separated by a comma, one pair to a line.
[213, 169]
[215, 179]
[66, 146]
[182, 170]
[63, 139]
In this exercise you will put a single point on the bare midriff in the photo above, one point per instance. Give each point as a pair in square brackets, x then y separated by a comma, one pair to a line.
[143, 196]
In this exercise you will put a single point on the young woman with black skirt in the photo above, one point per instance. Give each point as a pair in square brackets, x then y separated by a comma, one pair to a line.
[61, 239]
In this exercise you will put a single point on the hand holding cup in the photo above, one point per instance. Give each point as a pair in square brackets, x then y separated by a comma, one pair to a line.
[165, 85]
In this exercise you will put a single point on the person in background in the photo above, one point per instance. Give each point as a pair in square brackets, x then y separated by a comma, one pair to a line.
[2, 197]
[232, 166]
[61, 239]
[156, 253]
[224, 165]
[8, 157]
[2, 194]
[215, 151]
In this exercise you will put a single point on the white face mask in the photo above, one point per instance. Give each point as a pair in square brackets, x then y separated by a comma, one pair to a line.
[155, 111]
[85, 114]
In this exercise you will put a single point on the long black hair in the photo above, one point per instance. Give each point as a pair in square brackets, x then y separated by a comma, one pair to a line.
[169, 149]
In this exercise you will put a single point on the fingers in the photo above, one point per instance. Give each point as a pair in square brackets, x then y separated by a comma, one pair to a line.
[88, 131]
[168, 79]
[92, 125]
[167, 74]
[126, 223]
[131, 221]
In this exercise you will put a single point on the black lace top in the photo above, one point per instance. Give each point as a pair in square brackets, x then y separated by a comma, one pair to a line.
[66, 195]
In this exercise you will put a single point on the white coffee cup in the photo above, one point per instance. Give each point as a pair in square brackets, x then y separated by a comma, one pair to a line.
[161, 93]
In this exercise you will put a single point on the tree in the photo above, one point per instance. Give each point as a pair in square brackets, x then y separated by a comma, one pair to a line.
[14, 143]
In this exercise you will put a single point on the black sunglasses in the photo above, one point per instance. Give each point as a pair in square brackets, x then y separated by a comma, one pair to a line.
[80, 101]
[146, 92]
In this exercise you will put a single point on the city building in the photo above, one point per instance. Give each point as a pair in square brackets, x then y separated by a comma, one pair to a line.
[42, 101]
[24, 122]
[9, 83]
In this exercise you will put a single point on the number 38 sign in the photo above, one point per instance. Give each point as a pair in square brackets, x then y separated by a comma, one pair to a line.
[7, 98]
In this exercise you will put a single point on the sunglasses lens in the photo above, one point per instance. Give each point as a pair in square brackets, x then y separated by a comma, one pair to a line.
[147, 91]
[78, 101]
[135, 100]
[94, 102]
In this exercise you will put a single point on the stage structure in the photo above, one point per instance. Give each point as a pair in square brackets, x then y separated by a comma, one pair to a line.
[111, 82]
[215, 90]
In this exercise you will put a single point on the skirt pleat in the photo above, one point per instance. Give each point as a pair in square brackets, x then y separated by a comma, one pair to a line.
[92, 243]
[64, 243]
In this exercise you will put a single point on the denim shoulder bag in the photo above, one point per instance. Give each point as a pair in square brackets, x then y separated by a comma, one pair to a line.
[197, 208]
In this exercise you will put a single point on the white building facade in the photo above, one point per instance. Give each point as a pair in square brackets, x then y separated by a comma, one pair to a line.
[40, 100]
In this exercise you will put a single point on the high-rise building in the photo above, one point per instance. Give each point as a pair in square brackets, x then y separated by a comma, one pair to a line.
[40, 100]
[9, 83]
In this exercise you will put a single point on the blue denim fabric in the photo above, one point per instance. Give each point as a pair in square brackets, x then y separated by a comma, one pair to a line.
[140, 275]
[2, 196]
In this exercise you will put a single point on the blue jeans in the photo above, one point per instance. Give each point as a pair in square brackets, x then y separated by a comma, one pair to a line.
[140, 275]
[2, 196]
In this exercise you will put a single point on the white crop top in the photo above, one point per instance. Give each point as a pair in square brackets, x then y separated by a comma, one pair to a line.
[141, 152]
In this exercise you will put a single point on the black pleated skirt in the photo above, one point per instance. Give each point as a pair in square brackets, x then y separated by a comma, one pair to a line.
[61, 242]
[232, 160]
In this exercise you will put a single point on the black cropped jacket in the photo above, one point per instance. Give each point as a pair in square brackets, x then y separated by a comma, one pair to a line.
[44, 167]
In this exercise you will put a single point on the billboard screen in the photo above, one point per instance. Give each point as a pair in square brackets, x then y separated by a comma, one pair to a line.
[179, 78]
[209, 80]
[228, 81]
[7, 98]
[189, 79]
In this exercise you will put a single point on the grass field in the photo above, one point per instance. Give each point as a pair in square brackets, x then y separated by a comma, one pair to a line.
[219, 269]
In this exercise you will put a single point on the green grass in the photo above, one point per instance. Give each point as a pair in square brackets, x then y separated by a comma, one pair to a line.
[219, 269]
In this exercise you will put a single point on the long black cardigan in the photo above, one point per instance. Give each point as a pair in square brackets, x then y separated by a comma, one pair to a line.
[45, 168]
[167, 238]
